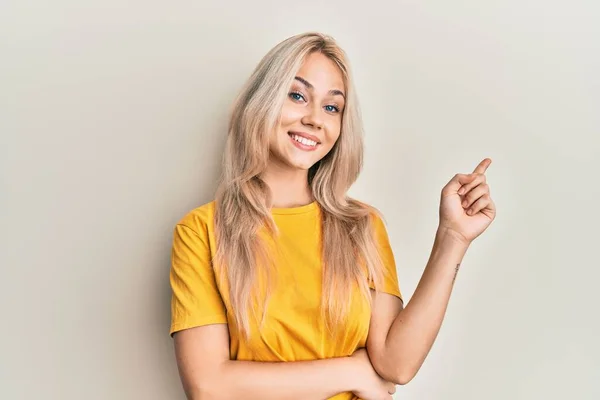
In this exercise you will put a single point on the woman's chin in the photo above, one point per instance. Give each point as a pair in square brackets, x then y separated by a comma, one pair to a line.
[301, 164]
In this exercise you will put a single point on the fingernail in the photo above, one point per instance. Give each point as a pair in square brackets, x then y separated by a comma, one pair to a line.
[464, 203]
[461, 190]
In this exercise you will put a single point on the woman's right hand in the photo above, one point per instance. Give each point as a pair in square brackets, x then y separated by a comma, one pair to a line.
[371, 386]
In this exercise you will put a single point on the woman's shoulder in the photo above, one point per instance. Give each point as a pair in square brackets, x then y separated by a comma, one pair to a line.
[375, 216]
[199, 218]
[374, 213]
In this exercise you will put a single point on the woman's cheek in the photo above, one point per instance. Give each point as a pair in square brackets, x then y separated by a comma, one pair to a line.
[335, 129]
[290, 113]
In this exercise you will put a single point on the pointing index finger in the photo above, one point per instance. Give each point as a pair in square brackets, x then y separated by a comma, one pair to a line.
[483, 166]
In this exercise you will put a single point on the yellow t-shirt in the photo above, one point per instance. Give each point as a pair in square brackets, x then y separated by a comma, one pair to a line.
[293, 329]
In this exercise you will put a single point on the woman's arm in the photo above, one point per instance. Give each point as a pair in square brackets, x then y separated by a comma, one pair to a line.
[207, 372]
[400, 339]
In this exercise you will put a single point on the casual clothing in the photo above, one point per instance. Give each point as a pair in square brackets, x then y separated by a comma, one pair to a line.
[293, 329]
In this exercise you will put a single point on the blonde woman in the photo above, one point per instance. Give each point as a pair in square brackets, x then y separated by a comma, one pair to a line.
[284, 287]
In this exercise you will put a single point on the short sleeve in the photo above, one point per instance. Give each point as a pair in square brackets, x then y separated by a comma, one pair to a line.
[196, 299]
[390, 275]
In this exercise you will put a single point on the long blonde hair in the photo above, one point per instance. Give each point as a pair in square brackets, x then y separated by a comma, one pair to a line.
[349, 251]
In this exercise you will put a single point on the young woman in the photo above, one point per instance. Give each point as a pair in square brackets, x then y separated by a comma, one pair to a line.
[284, 287]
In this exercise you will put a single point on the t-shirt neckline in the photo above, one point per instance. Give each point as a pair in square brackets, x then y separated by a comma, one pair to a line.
[295, 210]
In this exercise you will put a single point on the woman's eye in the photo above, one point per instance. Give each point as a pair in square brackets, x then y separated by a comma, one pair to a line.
[333, 109]
[296, 96]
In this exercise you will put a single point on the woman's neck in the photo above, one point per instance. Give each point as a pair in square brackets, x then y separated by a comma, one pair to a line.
[289, 187]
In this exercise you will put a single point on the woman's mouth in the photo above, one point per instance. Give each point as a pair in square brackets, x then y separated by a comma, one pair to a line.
[303, 143]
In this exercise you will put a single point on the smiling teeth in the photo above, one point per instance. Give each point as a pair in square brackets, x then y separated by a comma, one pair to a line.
[304, 141]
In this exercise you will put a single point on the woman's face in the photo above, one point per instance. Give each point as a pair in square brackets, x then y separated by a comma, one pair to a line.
[311, 116]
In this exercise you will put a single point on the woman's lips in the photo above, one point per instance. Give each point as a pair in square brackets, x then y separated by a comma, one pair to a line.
[302, 146]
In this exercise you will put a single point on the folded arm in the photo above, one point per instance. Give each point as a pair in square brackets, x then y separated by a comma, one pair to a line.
[207, 373]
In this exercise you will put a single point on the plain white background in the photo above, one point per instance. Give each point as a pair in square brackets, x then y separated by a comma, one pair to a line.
[113, 118]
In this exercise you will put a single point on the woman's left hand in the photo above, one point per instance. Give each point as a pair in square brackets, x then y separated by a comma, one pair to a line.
[466, 208]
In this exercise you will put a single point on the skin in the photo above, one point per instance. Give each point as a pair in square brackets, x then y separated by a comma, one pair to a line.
[315, 109]
[399, 337]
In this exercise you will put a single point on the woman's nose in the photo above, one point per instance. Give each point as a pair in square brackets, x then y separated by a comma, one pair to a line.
[313, 117]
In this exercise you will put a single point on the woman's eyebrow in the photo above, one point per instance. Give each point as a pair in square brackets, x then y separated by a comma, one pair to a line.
[332, 92]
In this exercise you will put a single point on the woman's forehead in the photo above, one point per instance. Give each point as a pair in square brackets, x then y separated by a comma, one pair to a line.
[321, 72]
